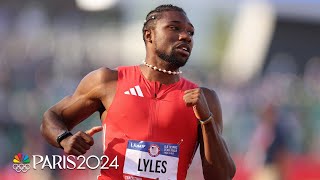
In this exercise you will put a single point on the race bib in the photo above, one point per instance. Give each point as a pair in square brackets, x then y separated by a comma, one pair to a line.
[151, 160]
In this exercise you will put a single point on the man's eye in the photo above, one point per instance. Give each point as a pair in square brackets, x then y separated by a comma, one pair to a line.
[191, 33]
[174, 28]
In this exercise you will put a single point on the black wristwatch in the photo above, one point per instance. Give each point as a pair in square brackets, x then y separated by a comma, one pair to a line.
[62, 137]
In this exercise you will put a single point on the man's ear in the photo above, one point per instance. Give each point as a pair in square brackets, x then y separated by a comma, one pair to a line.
[147, 35]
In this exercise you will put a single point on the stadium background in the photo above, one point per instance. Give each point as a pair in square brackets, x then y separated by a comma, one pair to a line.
[261, 57]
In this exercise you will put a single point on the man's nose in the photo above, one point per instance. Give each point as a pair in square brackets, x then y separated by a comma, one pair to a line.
[185, 36]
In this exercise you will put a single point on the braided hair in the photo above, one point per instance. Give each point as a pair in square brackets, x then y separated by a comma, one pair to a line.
[155, 15]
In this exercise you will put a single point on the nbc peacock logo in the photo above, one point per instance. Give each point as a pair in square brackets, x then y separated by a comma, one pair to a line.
[21, 162]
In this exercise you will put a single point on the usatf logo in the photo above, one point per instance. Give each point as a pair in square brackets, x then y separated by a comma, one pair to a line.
[21, 162]
[154, 150]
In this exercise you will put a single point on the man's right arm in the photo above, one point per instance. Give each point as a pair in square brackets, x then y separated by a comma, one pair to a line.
[73, 109]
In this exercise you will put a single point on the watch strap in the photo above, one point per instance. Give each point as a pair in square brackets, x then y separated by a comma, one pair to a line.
[62, 137]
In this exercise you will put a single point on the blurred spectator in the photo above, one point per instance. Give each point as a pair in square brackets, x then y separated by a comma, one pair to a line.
[269, 150]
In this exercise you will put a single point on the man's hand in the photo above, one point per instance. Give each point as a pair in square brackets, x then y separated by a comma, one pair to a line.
[80, 142]
[196, 99]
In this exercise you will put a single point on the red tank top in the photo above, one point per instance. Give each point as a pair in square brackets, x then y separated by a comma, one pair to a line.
[148, 111]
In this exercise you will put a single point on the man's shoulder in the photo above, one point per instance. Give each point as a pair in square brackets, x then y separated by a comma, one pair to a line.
[209, 91]
[104, 74]
[189, 82]
[206, 90]
[105, 71]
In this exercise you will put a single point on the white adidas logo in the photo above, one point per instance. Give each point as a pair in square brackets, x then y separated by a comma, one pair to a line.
[134, 91]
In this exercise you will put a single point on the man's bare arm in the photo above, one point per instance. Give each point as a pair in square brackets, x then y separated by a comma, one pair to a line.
[216, 160]
[73, 109]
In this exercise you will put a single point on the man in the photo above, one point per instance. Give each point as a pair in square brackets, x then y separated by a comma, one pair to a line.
[152, 118]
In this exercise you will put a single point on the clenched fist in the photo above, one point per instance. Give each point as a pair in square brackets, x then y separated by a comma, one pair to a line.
[195, 98]
[80, 142]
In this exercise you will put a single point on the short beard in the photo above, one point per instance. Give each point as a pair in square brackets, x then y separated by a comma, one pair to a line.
[171, 59]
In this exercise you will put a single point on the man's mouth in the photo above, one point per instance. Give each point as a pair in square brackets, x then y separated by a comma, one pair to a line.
[184, 49]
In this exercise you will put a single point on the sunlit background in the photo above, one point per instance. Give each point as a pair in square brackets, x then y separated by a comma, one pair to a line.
[261, 57]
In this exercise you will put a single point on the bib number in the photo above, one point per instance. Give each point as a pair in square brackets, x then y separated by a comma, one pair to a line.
[151, 160]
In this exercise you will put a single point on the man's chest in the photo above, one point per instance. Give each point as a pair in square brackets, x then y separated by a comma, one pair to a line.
[135, 109]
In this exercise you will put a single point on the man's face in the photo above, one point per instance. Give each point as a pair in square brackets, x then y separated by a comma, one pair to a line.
[173, 35]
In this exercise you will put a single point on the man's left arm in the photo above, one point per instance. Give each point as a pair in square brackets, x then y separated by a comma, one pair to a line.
[216, 159]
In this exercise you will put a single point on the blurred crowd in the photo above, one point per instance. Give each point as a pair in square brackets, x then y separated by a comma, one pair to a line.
[271, 119]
